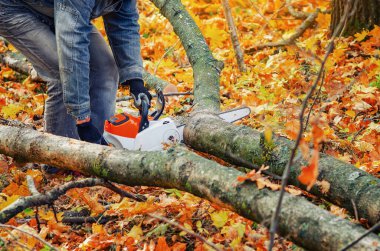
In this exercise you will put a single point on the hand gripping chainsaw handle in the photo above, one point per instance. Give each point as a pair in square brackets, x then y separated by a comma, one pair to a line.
[142, 102]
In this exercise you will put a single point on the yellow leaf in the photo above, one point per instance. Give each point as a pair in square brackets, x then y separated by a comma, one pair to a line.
[40, 98]
[9, 201]
[97, 228]
[219, 219]
[11, 111]
[268, 135]
[49, 215]
[351, 113]
[364, 146]
[39, 110]
[361, 36]
[216, 35]
[136, 232]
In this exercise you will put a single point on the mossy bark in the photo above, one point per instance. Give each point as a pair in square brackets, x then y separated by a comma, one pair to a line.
[302, 222]
[348, 184]
[205, 67]
[365, 16]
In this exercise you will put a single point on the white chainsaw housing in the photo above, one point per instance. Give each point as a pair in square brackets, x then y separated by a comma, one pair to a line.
[153, 138]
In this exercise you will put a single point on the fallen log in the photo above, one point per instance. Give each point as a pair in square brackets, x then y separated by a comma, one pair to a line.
[19, 63]
[348, 184]
[302, 222]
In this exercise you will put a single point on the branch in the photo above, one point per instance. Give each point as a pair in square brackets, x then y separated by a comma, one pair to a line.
[234, 37]
[372, 229]
[18, 63]
[295, 13]
[30, 234]
[285, 177]
[307, 23]
[205, 67]
[39, 199]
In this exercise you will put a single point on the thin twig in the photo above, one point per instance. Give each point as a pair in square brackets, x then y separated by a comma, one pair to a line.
[199, 237]
[164, 56]
[127, 98]
[355, 210]
[234, 37]
[315, 100]
[372, 229]
[285, 176]
[243, 162]
[30, 234]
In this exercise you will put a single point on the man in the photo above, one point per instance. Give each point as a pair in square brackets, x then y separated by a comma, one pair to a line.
[66, 50]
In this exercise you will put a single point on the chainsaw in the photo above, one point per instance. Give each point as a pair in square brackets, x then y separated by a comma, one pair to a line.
[147, 132]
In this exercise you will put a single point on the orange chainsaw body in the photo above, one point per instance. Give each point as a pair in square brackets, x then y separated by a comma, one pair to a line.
[123, 124]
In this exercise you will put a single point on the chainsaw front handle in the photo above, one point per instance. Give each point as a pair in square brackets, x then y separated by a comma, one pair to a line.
[160, 106]
[143, 104]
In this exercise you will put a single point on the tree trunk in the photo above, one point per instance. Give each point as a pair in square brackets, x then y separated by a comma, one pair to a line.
[302, 222]
[348, 184]
[365, 15]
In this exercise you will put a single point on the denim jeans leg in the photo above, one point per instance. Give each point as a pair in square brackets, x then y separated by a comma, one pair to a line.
[104, 78]
[36, 41]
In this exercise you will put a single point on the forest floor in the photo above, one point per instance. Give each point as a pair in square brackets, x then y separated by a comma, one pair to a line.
[277, 80]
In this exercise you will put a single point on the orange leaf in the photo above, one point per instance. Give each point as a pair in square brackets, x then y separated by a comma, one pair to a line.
[317, 134]
[179, 246]
[309, 174]
[162, 245]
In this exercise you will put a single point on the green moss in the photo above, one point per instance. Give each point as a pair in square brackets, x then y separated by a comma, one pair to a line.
[188, 187]
[99, 169]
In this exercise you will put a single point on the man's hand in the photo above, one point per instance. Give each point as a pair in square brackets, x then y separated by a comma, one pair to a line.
[88, 132]
[136, 87]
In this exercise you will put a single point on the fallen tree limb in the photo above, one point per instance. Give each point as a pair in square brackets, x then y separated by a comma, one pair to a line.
[205, 67]
[231, 143]
[291, 40]
[300, 221]
[17, 62]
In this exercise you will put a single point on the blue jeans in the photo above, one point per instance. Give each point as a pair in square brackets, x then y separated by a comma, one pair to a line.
[31, 30]
[73, 28]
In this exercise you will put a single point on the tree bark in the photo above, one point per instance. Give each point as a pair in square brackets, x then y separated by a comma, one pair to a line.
[233, 143]
[302, 222]
[205, 67]
[365, 16]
